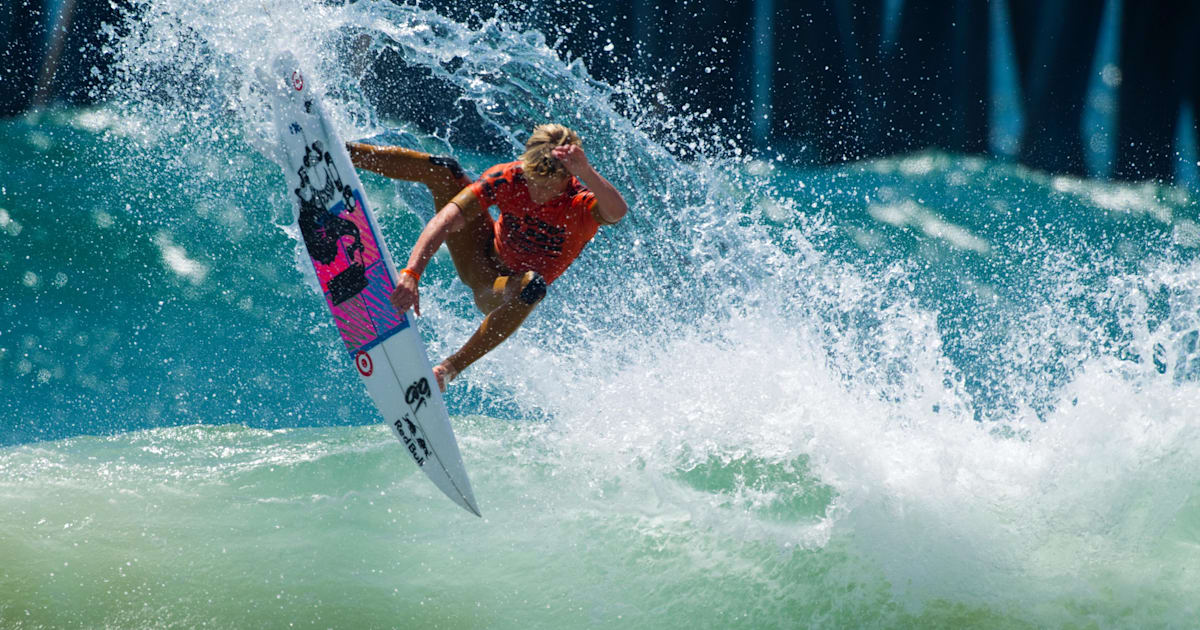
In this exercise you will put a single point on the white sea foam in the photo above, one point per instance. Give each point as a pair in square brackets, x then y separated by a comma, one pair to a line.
[1091, 496]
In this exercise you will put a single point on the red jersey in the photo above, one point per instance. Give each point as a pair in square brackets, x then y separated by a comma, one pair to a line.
[529, 237]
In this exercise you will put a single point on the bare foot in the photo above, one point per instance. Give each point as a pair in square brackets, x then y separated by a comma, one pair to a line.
[444, 373]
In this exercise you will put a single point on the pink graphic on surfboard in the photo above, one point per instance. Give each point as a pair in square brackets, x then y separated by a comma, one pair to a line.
[345, 252]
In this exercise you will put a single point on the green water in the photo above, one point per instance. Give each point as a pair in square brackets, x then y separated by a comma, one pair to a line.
[234, 527]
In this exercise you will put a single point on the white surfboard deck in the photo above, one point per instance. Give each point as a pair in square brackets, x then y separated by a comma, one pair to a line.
[356, 274]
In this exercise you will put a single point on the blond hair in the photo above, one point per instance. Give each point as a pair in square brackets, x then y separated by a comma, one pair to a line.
[537, 160]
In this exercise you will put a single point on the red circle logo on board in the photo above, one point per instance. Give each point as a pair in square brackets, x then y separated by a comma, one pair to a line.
[364, 364]
[297, 80]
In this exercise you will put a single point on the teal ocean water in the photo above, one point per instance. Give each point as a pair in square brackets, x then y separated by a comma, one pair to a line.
[931, 391]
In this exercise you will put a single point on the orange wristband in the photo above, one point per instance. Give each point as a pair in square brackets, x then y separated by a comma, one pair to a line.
[415, 276]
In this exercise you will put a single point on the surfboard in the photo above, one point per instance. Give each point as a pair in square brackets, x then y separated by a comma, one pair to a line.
[356, 274]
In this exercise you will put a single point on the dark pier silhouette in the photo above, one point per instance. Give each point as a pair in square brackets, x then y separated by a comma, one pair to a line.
[1106, 88]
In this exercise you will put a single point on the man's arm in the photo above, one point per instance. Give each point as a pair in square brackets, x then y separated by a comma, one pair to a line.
[610, 205]
[450, 219]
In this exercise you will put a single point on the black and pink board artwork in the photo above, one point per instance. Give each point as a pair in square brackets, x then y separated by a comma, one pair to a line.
[345, 251]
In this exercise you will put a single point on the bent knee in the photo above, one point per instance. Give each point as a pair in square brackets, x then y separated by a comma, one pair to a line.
[506, 290]
[533, 288]
[451, 165]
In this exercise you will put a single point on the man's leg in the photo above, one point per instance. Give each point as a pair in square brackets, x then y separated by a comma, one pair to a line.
[441, 175]
[513, 299]
[470, 248]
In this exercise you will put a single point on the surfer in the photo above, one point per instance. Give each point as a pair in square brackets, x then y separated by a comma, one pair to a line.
[551, 203]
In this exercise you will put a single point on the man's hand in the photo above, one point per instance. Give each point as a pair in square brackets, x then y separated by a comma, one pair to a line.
[406, 295]
[610, 205]
[573, 159]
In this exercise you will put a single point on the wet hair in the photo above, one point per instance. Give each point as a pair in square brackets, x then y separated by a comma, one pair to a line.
[537, 160]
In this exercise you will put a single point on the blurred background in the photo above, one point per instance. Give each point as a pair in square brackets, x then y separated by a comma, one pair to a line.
[1102, 88]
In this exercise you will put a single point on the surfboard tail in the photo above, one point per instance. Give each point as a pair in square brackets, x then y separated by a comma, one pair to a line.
[419, 420]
